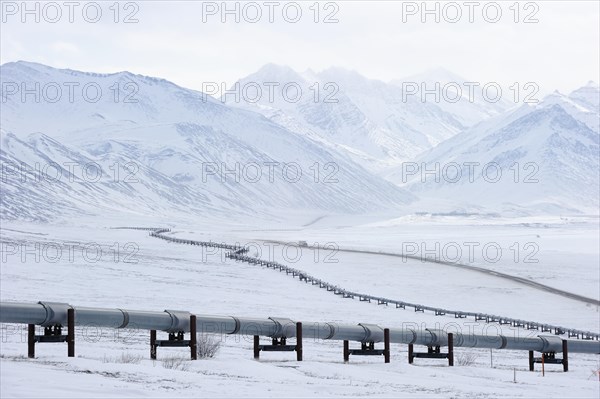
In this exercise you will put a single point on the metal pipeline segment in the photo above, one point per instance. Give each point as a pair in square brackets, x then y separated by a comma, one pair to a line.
[169, 320]
[285, 327]
[541, 343]
[414, 336]
[217, 325]
[342, 332]
[50, 313]
[316, 330]
[114, 318]
[262, 327]
[480, 341]
[25, 313]
[578, 346]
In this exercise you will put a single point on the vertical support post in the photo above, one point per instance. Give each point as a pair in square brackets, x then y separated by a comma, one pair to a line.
[71, 332]
[543, 358]
[565, 351]
[31, 341]
[193, 338]
[530, 360]
[411, 357]
[256, 347]
[450, 349]
[346, 351]
[386, 345]
[299, 341]
[153, 344]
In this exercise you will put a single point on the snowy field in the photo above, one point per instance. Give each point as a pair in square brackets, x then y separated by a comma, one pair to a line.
[461, 179]
[135, 271]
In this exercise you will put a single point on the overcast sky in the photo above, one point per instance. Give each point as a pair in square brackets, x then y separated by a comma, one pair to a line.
[185, 43]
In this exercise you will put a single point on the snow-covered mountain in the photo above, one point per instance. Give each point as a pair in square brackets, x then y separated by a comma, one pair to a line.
[548, 156]
[376, 123]
[465, 100]
[583, 104]
[177, 150]
[43, 179]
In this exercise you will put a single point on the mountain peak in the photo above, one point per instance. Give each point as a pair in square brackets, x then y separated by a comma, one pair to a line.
[587, 96]
[27, 64]
[38, 67]
[554, 98]
[273, 67]
[346, 78]
[589, 87]
[25, 67]
[275, 72]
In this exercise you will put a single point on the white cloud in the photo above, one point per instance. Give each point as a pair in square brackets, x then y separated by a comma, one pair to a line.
[170, 40]
[64, 47]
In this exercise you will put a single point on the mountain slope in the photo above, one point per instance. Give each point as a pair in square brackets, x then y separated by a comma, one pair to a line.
[455, 96]
[371, 121]
[181, 143]
[547, 156]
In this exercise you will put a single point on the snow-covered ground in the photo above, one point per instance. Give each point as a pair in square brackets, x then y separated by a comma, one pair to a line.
[427, 189]
[173, 276]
